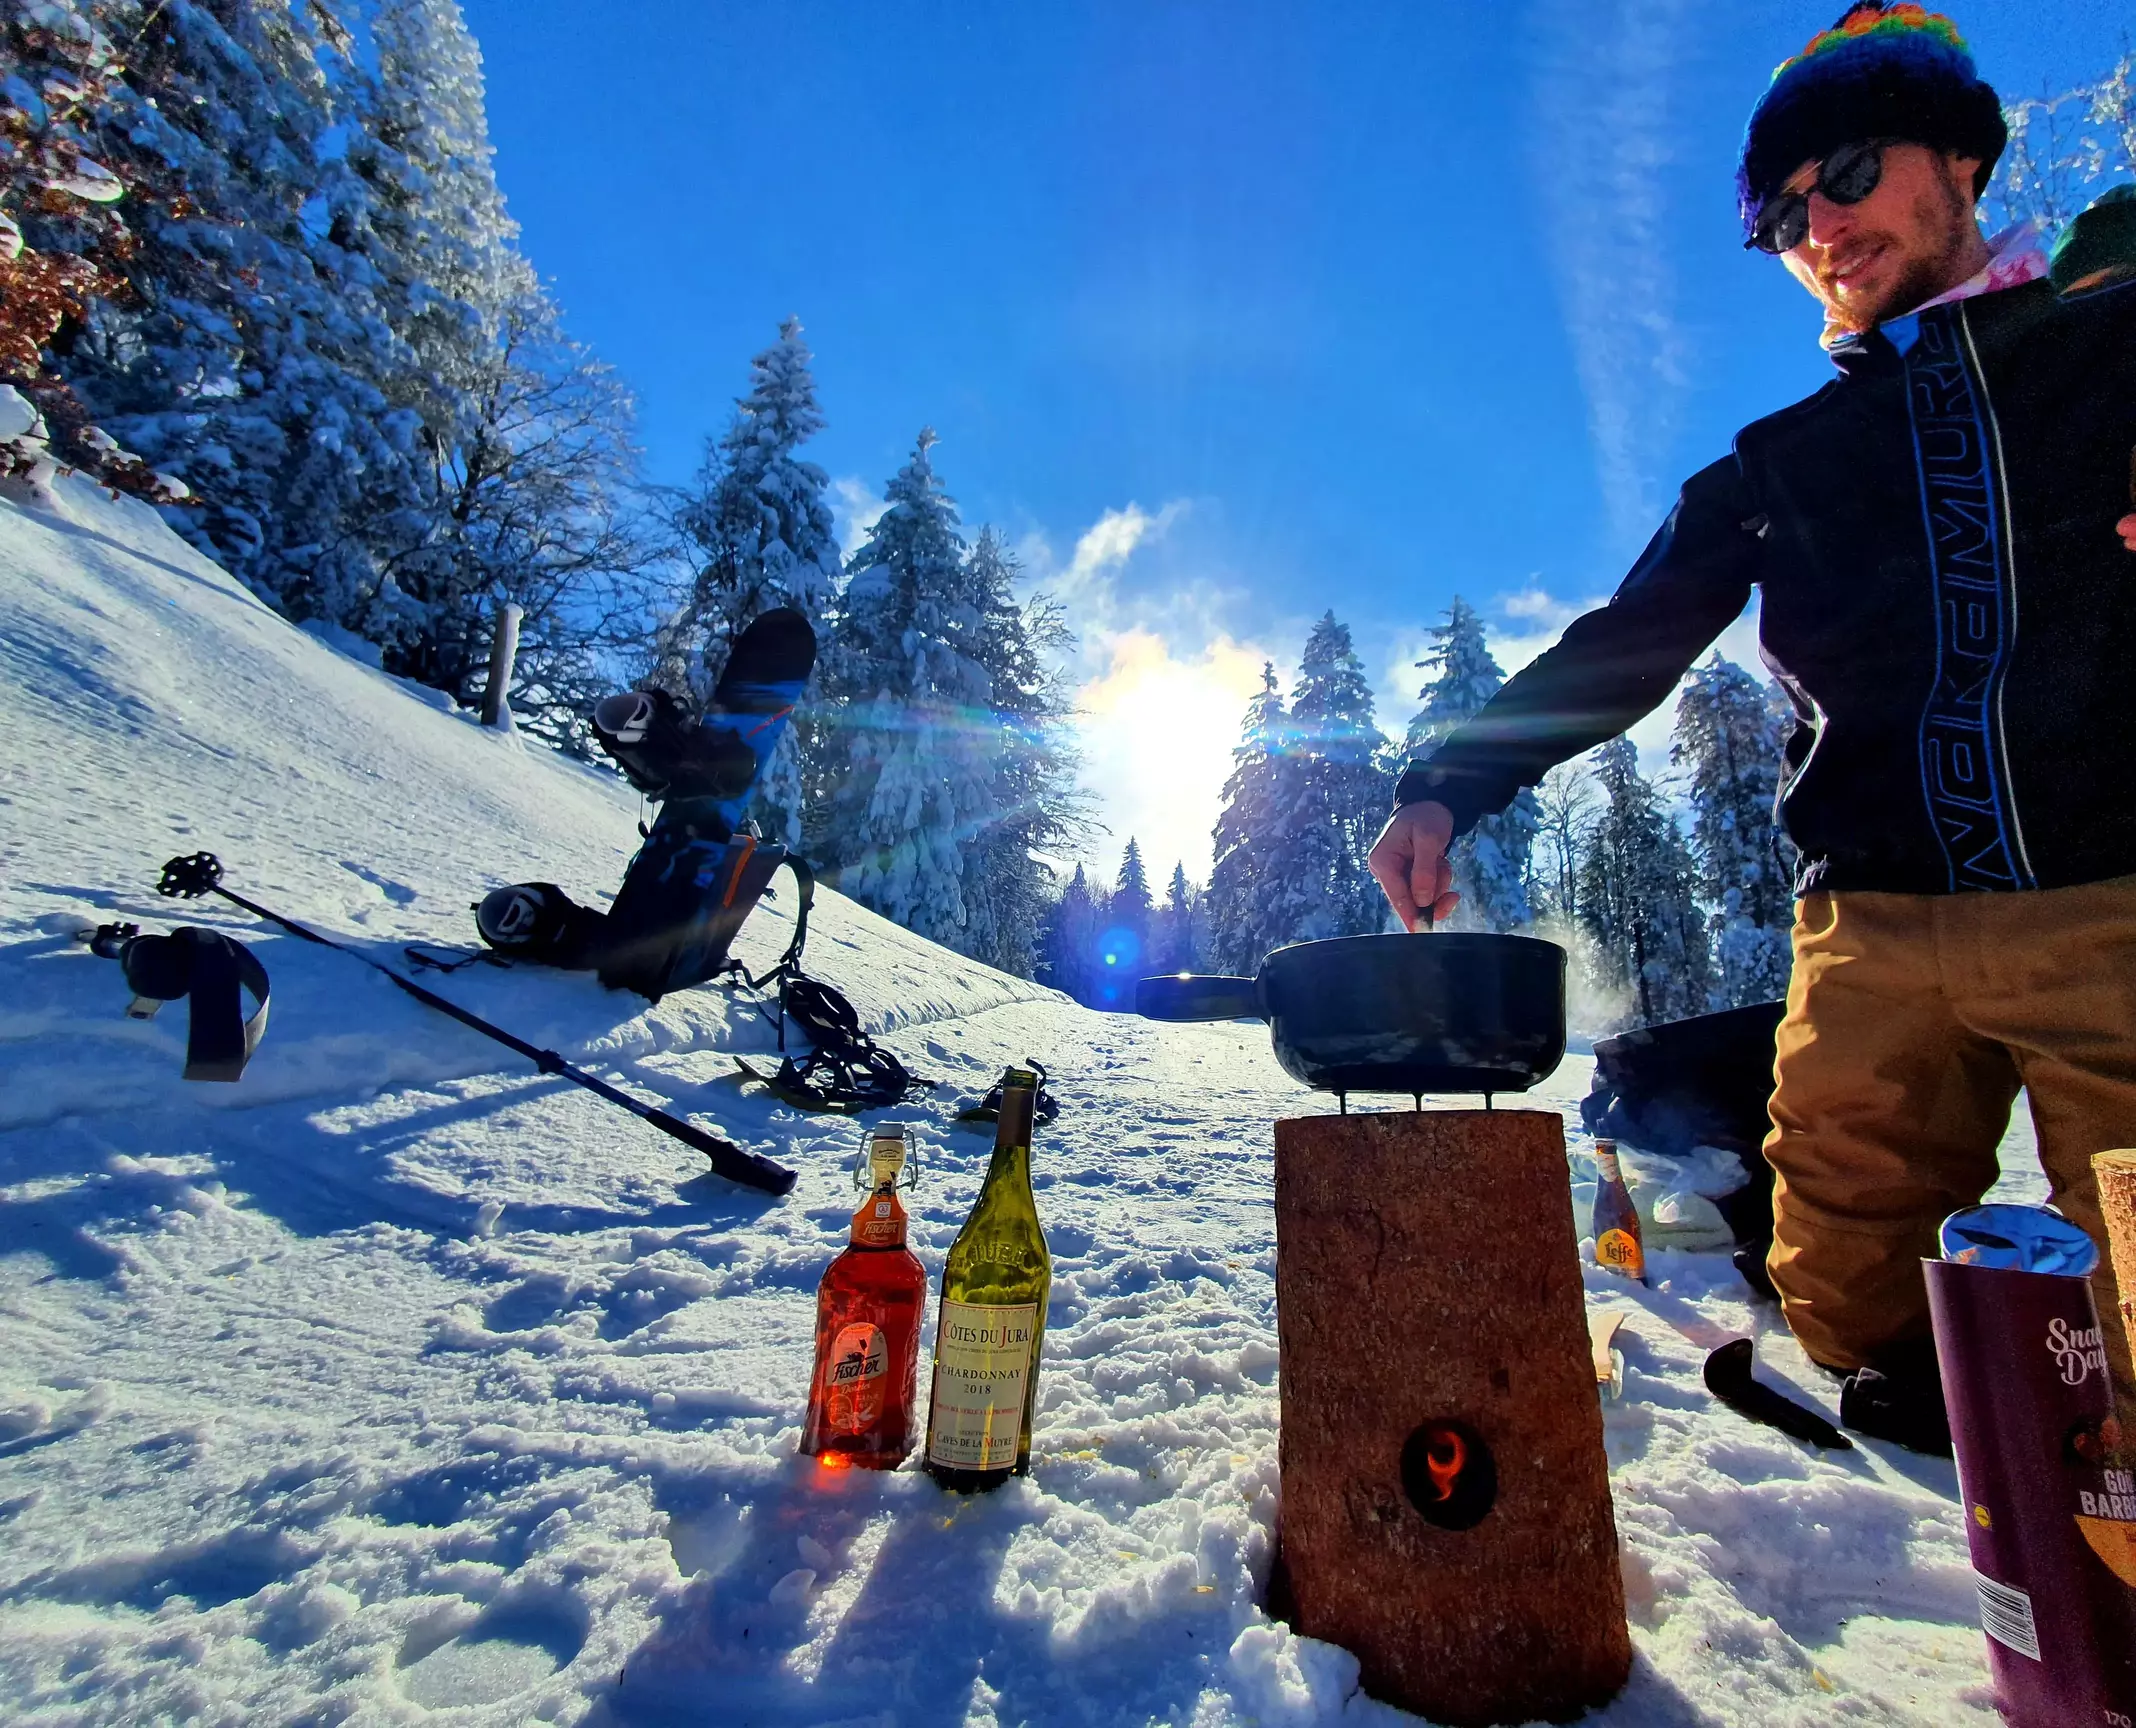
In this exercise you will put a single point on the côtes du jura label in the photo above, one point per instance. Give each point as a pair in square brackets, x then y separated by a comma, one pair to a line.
[982, 1366]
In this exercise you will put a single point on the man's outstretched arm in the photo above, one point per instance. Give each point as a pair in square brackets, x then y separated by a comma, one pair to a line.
[1611, 668]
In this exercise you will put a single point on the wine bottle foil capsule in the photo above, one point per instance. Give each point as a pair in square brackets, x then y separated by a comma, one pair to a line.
[2044, 1477]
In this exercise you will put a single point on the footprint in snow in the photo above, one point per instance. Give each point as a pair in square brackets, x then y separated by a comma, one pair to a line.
[397, 892]
[507, 1649]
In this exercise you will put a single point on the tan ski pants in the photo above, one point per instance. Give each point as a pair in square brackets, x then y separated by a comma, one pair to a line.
[1912, 1020]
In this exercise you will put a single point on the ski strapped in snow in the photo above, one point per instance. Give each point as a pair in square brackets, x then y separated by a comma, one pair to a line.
[188, 878]
[205, 965]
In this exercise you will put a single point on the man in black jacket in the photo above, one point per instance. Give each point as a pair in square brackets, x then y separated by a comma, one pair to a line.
[1942, 543]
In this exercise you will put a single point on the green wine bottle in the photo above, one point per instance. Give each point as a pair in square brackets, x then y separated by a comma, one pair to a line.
[993, 1316]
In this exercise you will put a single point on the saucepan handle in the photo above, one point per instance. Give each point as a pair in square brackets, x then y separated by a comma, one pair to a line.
[1188, 997]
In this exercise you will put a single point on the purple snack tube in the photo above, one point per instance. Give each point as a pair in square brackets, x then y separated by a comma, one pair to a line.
[2050, 1503]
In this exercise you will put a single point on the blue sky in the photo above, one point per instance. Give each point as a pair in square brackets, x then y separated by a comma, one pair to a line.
[1226, 313]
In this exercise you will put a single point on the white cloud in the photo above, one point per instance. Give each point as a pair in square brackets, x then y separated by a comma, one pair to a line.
[855, 506]
[1110, 541]
[1602, 142]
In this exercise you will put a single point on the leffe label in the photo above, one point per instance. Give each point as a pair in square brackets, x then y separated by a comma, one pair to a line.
[982, 1368]
[859, 1376]
[1619, 1250]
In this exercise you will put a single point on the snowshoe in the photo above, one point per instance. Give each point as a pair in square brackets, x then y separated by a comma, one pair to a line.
[538, 921]
[988, 1109]
[844, 1070]
[787, 1085]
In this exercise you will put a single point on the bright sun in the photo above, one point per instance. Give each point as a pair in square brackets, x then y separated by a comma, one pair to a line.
[1157, 733]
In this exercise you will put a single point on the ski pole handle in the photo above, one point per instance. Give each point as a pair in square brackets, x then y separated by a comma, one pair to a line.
[728, 1159]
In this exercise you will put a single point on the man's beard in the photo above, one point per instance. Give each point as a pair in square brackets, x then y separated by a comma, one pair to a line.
[1922, 279]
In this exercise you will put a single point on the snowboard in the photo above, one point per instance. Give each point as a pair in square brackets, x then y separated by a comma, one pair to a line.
[696, 877]
[693, 882]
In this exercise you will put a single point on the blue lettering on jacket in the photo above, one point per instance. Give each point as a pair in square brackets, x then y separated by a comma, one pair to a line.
[1963, 775]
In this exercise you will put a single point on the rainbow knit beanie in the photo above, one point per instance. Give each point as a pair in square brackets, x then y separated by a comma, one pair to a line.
[1882, 71]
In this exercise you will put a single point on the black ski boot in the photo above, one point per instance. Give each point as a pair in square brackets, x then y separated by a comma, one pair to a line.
[1899, 1398]
[665, 754]
[538, 921]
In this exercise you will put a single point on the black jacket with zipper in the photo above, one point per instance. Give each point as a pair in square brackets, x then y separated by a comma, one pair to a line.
[1944, 599]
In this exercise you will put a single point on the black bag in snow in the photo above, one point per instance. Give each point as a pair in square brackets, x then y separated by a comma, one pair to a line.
[1705, 1081]
[682, 903]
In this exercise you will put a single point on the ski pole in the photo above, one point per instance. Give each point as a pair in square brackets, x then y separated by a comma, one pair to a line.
[188, 878]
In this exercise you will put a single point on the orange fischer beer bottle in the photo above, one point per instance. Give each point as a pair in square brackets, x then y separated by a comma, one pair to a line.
[868, 1312]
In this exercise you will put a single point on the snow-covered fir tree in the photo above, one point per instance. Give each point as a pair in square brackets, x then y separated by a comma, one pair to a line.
[1251, 907]
[920, 741]
[530, 473]
[1337, 793]
[325, 328]
[757, 531]
[1637, 896]
[1040, 811]
[1175, 944]
[1134, 909]
[1068, 946]
[420, 201]
[1491, 861]
[1729, 745]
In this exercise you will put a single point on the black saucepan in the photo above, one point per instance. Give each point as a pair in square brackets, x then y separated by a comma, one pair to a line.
[1439, 1012]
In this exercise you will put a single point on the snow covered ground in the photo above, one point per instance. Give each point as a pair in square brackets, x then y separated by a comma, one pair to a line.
[398, 1380]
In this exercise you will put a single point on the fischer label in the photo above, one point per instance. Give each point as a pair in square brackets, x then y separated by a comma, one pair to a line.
[982, 1367]
[859, 1377]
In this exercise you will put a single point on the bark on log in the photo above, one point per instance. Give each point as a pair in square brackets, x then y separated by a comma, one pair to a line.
[1428, 1283]
[2116, 1172]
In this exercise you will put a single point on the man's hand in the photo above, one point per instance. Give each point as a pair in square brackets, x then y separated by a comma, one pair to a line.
[2126, 528]
[1408, 861]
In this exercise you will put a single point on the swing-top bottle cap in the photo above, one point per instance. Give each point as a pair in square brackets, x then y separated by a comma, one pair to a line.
[886, 1155]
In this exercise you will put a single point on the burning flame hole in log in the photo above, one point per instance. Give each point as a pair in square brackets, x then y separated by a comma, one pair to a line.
[1448, 1474]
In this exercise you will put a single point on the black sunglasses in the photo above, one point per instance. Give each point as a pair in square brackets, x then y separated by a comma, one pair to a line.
[1847, 176]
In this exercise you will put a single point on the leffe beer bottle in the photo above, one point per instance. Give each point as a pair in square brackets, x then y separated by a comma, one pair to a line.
[868, 1312]
[992, 1316]
[1616, 1220]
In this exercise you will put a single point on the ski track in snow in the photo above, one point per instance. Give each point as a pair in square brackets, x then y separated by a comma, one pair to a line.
[398, 1379]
